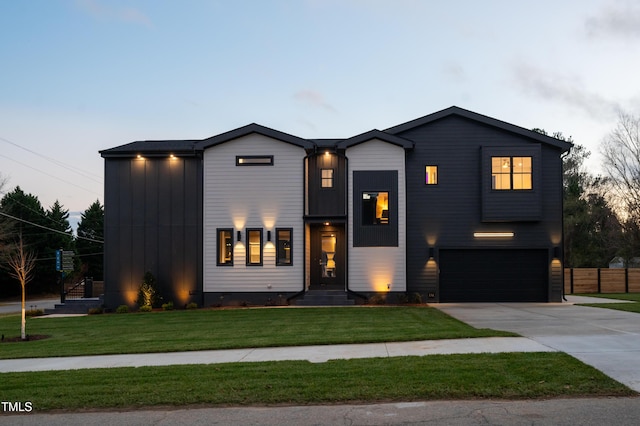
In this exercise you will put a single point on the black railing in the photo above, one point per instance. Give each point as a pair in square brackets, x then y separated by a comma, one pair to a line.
[80, 290]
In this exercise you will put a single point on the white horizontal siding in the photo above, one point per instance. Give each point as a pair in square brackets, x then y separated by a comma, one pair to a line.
[374, 268]
[242, 197]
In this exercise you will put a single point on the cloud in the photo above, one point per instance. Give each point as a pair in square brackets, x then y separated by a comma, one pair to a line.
[313, 99]
[616, 19]
[565, 89]
[108, 12]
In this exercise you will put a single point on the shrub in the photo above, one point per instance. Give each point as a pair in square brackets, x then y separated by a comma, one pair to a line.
[95, 311]
[192, 305]
[34, 312]
[148, 293]
[122, 309]
[402, 298]
[167, 306]
[145, 308]
[377, 299]
[415, 298]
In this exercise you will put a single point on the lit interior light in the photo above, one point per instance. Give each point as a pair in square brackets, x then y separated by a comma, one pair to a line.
[493, 234]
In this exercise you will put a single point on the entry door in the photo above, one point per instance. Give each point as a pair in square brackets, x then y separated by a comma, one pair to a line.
[327, 258]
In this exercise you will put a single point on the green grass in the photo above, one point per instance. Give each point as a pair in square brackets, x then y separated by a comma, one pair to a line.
[628, 307]
[509, 376]
[208, 329]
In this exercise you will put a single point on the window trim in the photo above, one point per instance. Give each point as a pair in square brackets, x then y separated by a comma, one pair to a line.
[248, 246]
[426, 175]
[290, 230]
[512, 173]
[218, 232]
[253, 160]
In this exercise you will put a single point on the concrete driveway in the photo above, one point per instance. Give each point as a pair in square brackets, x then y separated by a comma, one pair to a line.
[606, 339]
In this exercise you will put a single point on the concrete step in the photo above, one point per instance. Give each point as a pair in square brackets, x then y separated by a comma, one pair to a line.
[325, 298]
[75, 306]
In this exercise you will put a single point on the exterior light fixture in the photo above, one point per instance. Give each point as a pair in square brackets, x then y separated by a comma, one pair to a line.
[239, 236]
[431, 252]
[493, 234]
[327, 224]
[556, 252]
[172, 156]
[268, 235]
[139, 157]
[388, 286]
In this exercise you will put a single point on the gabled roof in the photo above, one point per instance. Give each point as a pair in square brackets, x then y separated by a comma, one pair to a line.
[375, 134]
[454, 110]
[151, 148]
[254, 128]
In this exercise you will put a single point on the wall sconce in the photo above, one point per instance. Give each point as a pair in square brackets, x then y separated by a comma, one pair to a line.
[432, 252]
[389, 286]
[556, 252]
[239, 236]
[493, 234]
[268, 235]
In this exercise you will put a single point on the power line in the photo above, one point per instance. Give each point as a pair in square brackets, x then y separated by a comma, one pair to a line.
[69, 167]
[50, 229]
[48, 174]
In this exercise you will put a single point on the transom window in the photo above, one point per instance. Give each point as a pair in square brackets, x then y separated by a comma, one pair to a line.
[431, 175]
[511, 173]
[375, 208]
[254, 160]
[254, 246]
[326, 178]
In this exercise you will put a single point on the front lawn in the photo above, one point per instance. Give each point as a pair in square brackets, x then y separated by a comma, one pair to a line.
[628, 307]
[507, 375]
[207, 329]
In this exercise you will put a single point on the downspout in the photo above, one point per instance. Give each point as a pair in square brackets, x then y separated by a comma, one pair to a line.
[562, 157]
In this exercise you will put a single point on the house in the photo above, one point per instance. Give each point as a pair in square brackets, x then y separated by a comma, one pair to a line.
[454, 207]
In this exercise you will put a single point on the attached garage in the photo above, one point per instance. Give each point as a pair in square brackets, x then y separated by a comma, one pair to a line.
[494, 275]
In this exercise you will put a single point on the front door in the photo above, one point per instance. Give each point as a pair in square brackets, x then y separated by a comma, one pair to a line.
[327, 257]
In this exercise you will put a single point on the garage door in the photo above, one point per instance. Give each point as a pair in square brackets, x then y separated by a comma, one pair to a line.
[494, 275]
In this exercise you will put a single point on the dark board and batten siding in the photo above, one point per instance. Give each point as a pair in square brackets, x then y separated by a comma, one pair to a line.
[326, 202]
[153, 224]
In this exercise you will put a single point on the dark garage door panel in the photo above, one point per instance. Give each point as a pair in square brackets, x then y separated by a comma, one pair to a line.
[494, 275]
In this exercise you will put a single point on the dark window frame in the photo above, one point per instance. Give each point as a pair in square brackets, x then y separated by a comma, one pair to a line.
[248, 246]
[278, 258]
[219, 231]
[240, 162]
[330, 179]
[426, 175]
[511, 173]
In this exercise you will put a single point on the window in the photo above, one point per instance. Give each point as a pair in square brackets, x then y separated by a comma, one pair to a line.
[511, 173]
[431, 175]
[225, 247]
[375, 208]
[284, 243]
[254, 160]
[254, 246]
[326, 178]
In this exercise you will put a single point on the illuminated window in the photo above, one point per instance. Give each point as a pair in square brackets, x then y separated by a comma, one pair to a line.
[327, 178]
[284, 243]
[375, 208]
[511, 173]
[225, 247]
[254, 160]
[431, 175]
[254, 246]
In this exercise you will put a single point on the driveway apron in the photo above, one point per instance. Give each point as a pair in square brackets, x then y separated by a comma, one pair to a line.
[606, 339]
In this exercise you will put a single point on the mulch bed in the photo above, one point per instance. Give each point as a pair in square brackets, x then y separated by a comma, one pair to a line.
[30, 338]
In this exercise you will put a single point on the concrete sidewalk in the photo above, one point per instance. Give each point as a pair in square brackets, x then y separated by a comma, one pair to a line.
[320, 353]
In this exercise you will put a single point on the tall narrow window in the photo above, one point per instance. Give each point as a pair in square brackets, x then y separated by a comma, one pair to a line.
[254, 246]
[284, 246]
[431, 175]
[327, 178]
[225, 247]
[511, 173]
[375, 208]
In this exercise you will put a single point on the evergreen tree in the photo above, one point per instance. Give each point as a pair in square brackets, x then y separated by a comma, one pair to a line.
[88, 244]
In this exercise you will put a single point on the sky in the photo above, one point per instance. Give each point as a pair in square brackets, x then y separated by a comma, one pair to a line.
[79, 76]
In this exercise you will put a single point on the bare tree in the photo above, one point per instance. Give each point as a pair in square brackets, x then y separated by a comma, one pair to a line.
[621, 154]
[21, 264]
